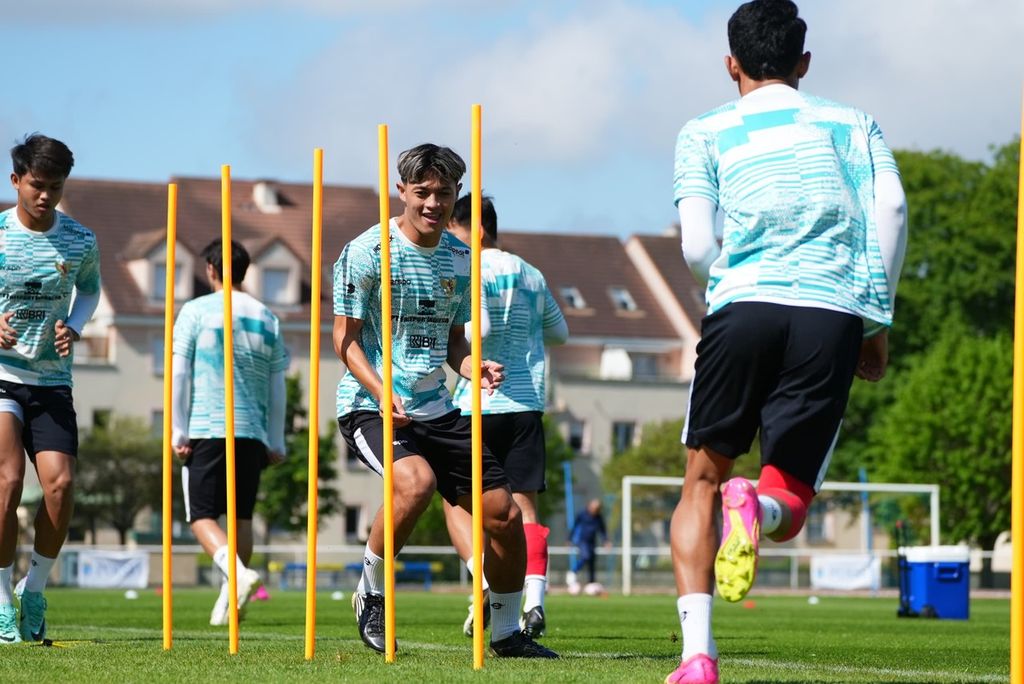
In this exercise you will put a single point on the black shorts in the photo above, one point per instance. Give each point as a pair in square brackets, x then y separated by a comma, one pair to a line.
[446, 443]
[785, 370]
[204, 478]
[48, 419]
[517, 440]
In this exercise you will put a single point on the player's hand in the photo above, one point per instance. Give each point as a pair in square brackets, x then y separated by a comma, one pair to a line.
[398, 416]
[183, 452]
[64, 338]
[492, 374]
[8, 335]
[275, 457]
[874, 357]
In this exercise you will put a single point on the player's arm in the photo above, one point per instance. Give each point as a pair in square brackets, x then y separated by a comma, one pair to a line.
[87, 293]
[697, 231]
[460, 358]
[556, 330]
[485, 322]
[181, 398]
[276, 452]
[348, 349]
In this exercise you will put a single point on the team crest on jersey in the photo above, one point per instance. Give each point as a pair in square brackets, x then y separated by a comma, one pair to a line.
[447, 285]
[62, 268]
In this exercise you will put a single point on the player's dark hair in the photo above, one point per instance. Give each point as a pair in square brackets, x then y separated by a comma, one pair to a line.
[239, 260]
[767, 38]
[44, 157]
[424, 161]
[463, 214]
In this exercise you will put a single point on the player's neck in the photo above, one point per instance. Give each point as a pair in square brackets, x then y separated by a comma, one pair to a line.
[37, 225]
[425, 238]
[749, 85]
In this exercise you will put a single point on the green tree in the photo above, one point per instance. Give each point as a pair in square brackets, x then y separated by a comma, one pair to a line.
[118, 474]
[284, 488]
[950, 423]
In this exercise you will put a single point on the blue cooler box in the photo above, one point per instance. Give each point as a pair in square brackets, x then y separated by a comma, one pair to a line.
[939, 577]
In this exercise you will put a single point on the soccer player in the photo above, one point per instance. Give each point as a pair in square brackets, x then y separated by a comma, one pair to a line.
[49, 289]
[800, 296]
[432, 442]
[199, 433]
[519, 317]
[588, 526]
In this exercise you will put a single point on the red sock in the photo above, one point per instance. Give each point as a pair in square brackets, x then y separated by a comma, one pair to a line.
[792, 494]
[536, 549]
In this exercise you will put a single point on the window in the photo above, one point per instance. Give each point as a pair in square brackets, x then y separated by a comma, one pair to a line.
[622, 435]
[100, 418]
[573, 298]
[819, 527]
[274, 285]
[352, 515]
[577, 433]
[645, 366]
[622, 299]
[159, 285]
[158, 356]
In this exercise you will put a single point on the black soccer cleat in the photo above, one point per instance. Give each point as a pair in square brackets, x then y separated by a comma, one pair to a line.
[519, 645]
[532, 622]
[371, 621]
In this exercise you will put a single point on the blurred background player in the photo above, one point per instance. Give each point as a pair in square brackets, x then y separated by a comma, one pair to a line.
[519, 317]
[430, 273]
[49, 289]
[800, 296]
[588, 526]
[199, 433]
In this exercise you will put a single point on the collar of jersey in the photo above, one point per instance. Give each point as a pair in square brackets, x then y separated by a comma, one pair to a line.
[425, 251]
[36, 233]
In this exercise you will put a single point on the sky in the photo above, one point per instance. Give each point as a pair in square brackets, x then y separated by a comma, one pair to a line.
[582, 99]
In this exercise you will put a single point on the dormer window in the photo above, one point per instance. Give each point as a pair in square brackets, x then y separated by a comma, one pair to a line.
[622, 299]
[158, 286]
[275, 274]
[573, 298]
[274, 285]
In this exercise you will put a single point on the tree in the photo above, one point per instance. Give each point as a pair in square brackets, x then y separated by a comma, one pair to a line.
[118, 474]
[950, 423]
[284, 488]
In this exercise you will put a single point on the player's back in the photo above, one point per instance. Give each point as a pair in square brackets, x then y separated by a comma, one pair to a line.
[793, 175]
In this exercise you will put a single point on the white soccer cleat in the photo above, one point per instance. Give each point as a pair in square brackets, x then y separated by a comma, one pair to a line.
[593, 589]
[249, 582]
[219, 614]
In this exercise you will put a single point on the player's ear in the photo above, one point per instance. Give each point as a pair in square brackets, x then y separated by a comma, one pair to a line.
[732, 66]
[803, 65]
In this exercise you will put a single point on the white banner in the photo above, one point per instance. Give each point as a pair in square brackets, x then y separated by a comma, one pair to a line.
[859, 571]
[113, 569]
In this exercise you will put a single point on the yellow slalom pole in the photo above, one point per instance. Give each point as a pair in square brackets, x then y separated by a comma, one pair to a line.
[229, 406]
[168, 464]
[386, 401]
[314, 400]
[1017, 487]
[477, 424]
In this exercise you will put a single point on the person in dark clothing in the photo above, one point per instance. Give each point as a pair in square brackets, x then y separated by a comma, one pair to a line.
[588, 526]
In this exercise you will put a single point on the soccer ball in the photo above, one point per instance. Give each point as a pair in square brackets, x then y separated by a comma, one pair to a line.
[574, 588]
[593, 589]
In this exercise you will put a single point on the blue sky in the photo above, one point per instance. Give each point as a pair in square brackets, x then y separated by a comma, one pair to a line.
[582, 99]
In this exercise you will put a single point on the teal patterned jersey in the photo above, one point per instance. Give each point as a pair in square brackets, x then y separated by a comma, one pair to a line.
[794, 177]
[429, 295]
[519, 307]
[39, 273]
[258, 350]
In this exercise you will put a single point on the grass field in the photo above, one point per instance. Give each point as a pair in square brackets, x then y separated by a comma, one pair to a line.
[102, 637]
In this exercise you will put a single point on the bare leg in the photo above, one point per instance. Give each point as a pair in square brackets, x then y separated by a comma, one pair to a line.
[505, 556]
[12, 477]
[56, 476]
[414, 486]
[694, 536]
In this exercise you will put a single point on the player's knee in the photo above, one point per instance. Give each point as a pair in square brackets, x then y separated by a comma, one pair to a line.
[59, 486]
[502, 517]
[416, 487]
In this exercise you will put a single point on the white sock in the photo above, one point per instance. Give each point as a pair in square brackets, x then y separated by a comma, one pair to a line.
[38, 572]
[771, 514]
[373, 573]
[220, 559]
[504, 614]
[469, 566]
[695, 621]
[570, 578]
[6, 591]
[534, 590]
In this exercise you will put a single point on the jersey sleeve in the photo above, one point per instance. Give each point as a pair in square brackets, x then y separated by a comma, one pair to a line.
[88, 280]
[695, 165]
[356, 276]
[463, 313]
[279, 356]
[185, 329]
[552, 312]
[882, 159]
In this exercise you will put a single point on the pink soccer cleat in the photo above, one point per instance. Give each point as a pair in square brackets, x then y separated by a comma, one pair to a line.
[698, 669]
[736, 561]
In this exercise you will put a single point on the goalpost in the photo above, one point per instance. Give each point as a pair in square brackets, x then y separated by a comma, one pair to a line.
[630, 481]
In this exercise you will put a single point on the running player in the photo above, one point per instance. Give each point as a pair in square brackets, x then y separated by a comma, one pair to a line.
[800, 296]
[432, 440]
[199, 434]
[49, 289]
[519, 317]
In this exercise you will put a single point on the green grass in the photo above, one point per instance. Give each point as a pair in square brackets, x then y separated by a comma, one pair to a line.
[107, 638]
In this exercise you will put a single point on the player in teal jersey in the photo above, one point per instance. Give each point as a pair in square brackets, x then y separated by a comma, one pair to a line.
[800, 296]
[430, 302]
[519, 316]
[49, 288]
[260, 362]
